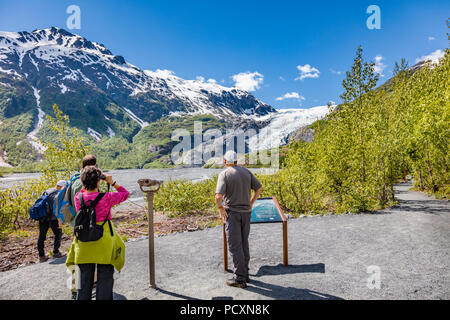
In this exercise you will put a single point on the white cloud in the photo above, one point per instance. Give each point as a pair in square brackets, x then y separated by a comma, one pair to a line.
[291, 95]
[431, 38]
[248, 81]
[160, 73]
[379, 65]
[335, 72]
[202, 80]
[282, 79]
[307, 71]
[434, 56]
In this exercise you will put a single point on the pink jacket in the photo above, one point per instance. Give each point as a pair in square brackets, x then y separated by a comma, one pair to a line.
[108, 201]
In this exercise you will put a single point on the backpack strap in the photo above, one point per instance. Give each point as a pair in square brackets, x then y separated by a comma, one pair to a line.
[80, 197]
[97, 199]
[109, 223]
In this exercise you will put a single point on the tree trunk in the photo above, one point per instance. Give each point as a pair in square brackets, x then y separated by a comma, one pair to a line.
[430, 173]
[420, 179]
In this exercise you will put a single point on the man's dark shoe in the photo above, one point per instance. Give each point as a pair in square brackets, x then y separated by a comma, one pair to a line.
[236, 283]
[43, 259]
[58, 255]
[247, 279]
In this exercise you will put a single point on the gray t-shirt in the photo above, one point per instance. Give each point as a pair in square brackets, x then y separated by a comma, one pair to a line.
[235, 184]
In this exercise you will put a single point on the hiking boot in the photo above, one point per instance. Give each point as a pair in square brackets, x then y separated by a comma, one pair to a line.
[74, 295]
[58, 255]
[236, 283]
[43, 259]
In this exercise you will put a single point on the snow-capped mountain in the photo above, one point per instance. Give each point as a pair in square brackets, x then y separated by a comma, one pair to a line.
[107, 97]
[94, 86]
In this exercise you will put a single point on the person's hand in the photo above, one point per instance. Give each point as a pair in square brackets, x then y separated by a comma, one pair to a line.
[108, 178]
[59, 224]
[223, 214]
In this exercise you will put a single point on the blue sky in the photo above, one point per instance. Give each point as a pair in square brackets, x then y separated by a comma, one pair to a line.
[266, 43]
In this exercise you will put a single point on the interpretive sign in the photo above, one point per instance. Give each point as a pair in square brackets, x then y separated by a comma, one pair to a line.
[265, 210]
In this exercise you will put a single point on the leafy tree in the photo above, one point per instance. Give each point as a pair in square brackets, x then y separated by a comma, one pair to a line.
[60, 159]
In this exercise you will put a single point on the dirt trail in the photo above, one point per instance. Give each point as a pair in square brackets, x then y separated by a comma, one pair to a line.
[329, 258]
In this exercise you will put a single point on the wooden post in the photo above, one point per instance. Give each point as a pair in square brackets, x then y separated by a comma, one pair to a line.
[285, 244]
[149, 187]
[225, 248]
[285, 235]
[151, 240]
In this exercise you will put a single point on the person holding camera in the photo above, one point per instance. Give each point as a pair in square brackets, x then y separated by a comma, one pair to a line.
[108, 252]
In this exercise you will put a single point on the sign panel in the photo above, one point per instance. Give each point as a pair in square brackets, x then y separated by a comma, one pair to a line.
[265, 211]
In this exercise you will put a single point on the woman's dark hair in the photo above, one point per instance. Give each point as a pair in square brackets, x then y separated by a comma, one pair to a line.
[89, 160]
[90, 177]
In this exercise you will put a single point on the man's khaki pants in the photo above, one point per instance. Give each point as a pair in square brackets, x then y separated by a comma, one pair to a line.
[237, 228]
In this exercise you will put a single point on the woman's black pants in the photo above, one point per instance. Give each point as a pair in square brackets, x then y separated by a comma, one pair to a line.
[105, 281]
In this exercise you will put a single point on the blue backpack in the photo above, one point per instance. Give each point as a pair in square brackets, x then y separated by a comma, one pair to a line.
[63, 206]
[39, 209]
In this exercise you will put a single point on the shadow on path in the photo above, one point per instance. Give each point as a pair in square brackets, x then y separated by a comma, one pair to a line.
[436, 207]
[281, 269]
[287, 293]
[117, 296]
[176, 295]
[61, 260]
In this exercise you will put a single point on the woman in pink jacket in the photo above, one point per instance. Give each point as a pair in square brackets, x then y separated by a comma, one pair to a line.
[107, 252]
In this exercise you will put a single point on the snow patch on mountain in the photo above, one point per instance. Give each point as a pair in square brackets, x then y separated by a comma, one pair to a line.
[32, 136]
[281, 124]
[141, 122]
[111, 132]
[3, 160]
[94, 134]
[63, 87]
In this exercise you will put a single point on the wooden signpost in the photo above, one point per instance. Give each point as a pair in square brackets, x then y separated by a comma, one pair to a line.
[265, 210]
[149, 187]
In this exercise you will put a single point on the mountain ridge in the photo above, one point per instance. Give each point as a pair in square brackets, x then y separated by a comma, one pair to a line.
[106, 97]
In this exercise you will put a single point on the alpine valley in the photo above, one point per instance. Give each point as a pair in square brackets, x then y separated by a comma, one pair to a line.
[126, 114]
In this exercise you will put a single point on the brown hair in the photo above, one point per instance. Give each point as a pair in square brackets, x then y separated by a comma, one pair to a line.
[90, 177]
[89, 160]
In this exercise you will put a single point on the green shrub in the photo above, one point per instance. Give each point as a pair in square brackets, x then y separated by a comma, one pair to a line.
[183, 197]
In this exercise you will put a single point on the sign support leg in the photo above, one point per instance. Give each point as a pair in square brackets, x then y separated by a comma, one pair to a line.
[285, 244]
[225, 248]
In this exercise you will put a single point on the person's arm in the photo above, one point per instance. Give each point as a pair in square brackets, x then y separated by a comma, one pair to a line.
[116, 197]
[255, 196]
[256, 187]
[223, 213]
[220, 191]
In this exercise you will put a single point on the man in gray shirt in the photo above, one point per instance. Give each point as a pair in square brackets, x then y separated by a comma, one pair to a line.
[235, 201]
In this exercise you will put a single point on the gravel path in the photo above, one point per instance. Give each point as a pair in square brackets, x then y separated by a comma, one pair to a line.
[329, 257]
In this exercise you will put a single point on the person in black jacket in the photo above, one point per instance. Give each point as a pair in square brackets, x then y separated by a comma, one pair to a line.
[50, 221]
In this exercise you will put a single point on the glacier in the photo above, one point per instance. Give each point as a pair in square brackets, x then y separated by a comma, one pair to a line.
[283, 123]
